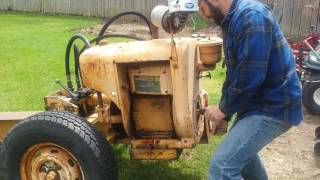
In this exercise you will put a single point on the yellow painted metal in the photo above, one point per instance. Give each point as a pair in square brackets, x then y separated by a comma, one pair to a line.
[152, 116]
[5, 127]
[163, 143]
[9, 119]
[154, 154]
[58, 101]
[124, 105]
[104, 68]
[159, 70]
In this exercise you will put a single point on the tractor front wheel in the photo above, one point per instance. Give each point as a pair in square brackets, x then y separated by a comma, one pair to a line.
[56, 145]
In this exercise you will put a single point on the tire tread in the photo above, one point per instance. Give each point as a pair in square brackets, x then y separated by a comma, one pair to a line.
[80, 129]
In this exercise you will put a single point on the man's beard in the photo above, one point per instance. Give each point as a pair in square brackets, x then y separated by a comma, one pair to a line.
[217, 15]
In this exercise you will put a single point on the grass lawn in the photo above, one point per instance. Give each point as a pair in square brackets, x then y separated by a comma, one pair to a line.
[32, 55]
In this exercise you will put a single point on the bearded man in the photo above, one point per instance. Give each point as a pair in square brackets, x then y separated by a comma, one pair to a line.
[261, 87]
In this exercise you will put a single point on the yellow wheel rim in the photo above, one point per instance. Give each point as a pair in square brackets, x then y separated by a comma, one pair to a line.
[47, 161]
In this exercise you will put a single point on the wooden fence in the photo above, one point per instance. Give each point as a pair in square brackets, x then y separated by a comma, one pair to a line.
[99, 8]
[298, 15]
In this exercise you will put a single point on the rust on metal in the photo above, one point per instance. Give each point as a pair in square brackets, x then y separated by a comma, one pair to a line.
[163, 143]
[49, 161]
[154, 154]
[104, 68]
[152, 116]
[59, 101]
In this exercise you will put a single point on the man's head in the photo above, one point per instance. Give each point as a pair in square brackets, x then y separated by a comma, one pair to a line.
[214, 9]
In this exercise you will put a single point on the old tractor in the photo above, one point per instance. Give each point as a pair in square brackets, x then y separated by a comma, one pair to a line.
[144, 93]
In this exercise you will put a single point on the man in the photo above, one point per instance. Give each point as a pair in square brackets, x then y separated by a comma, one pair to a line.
[261, 87]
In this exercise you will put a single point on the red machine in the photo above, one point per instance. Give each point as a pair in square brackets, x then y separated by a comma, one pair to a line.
[301, 50]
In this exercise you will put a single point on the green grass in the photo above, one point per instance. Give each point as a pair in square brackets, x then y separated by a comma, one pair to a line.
[32, 55]
[197, 22]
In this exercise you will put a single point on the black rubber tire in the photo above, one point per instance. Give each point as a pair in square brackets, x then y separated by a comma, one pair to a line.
[317, 133]
[317, 147]
[1, 168]
[309, 89]
[94, 154]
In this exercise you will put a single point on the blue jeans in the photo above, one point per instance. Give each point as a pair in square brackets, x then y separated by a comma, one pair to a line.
[237, 156]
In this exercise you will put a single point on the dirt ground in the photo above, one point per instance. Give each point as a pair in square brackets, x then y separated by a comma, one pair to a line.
[142, 31]
[290, 156]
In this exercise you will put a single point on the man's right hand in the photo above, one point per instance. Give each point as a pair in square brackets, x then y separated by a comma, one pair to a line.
[215, 116]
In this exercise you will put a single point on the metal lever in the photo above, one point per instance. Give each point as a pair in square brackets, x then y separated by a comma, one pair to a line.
[66, 89]
[205, 76]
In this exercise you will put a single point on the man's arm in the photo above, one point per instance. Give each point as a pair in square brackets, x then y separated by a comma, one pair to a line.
[225, 86]
[253, 46]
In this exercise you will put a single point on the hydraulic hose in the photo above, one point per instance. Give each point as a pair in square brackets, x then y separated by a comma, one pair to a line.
[99, 38]
[96, 40]
[76, 65]
[106, 26]
[111, 36]
[67, 57]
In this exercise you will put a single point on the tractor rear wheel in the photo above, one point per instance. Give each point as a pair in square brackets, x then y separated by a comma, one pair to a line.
[56, 145]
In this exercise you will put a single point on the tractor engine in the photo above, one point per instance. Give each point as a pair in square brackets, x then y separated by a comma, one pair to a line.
[145, 93]
[154, 85]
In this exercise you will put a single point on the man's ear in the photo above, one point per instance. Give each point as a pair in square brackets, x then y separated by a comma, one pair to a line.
[204, 9]
[214, 2]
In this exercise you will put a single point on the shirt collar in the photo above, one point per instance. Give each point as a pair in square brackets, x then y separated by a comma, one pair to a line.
[228, 17]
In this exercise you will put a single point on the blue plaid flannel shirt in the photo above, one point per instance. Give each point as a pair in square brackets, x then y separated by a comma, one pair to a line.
[261, 77]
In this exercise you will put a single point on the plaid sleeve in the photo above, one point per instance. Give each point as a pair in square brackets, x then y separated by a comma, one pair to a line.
[251, 51]
[223, 94]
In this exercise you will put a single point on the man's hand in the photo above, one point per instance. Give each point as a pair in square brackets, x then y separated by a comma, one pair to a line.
[217, 118]
[215, 115]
